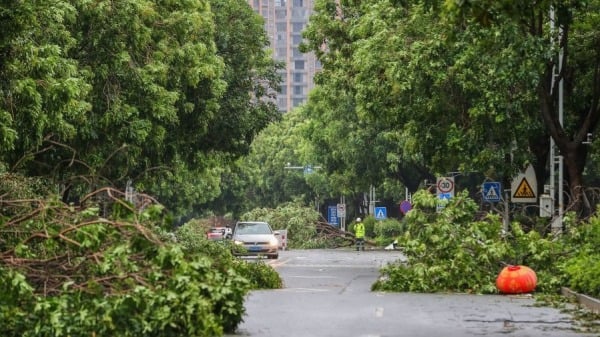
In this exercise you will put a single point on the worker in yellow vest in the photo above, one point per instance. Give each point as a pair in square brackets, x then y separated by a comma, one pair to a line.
[359, 233]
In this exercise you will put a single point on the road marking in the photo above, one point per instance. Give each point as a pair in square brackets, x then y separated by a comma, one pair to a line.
[304, 290]
[330, 265]
[277, 263]
[379, 312]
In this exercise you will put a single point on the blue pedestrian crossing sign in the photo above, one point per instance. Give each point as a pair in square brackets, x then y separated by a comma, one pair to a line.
[380, 213]
[491, 191]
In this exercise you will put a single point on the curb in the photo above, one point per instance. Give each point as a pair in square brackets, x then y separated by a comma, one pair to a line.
[588, 302]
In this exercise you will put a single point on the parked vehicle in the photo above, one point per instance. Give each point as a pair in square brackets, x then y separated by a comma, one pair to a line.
[218, 233]
[255, 238]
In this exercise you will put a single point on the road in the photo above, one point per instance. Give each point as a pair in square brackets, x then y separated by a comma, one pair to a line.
[327, 294]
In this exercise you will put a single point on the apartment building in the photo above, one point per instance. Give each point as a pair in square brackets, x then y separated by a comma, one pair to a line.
[284, 22]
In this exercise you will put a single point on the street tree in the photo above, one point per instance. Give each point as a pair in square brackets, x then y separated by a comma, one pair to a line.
[459, 89]
[570, 32]
[163, 94]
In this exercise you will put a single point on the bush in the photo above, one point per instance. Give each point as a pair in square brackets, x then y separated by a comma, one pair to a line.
[386, 231]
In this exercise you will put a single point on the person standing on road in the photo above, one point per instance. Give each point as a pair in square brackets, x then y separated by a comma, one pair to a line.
[359, 233]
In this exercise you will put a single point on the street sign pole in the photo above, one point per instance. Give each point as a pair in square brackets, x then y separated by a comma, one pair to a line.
[506, 218]
[343, 218]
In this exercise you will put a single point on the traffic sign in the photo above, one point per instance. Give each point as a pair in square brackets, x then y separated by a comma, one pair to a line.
[444, 196]
[491, 191]
[445, 185]
[443, 199]
[524, 186]
[405, 206]
[524, 190]
[380, 213]
[341, 210]
[332, 216]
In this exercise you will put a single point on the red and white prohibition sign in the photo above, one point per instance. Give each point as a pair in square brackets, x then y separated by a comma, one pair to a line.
[445, 185]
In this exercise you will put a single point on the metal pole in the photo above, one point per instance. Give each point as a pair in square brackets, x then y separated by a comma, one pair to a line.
[343, 219]
[556, 225]
[558, 221]
[372, 200]
[506, 219]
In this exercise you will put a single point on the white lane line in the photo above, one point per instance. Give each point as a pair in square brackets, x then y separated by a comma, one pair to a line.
[311, 277]
[303, 290]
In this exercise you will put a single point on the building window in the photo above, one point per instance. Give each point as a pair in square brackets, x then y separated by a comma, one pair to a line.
[298, 77]
[299, 65]
[297, 39]
[297, 27]
[299, 13]
[282, 52]
[280, 13]
[298, 3]
[298, 90]
[283, 75]
[297, 101]
[281, 26]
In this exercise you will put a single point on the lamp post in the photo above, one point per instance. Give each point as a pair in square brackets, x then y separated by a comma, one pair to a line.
[557, 160]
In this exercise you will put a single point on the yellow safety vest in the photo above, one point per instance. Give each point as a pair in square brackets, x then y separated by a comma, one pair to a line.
[359, 230]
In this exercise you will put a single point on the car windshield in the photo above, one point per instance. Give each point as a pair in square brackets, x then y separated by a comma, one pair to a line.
[253, 228]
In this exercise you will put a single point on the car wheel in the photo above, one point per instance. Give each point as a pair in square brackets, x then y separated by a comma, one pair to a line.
[273, 256]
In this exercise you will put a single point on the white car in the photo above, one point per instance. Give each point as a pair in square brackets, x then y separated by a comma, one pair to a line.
[256, 238]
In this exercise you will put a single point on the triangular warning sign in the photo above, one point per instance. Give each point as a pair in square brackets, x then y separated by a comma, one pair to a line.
[491, 194]
[524, 190]
[380, 214]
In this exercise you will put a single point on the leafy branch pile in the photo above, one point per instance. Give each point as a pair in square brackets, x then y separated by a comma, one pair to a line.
[67, 271]
[452, 251]
[581, 270]
[192, 237]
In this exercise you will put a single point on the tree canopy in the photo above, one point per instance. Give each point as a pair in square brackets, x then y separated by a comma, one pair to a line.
[422, 88]
[163, 94]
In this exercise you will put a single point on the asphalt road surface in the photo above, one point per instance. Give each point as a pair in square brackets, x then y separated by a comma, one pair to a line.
[327, 293]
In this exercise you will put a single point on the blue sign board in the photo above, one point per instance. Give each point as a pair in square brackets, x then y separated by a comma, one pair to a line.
[444, 196]
[491, 191]
[380, 213]
[332, 217]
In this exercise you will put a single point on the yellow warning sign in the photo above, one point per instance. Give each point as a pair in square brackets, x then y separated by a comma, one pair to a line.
[524, 190]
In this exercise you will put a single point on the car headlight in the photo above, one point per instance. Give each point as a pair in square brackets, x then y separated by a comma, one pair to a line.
[238, 242]
[273, 242]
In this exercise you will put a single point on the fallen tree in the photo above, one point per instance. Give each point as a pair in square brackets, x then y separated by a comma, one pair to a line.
[104, 267]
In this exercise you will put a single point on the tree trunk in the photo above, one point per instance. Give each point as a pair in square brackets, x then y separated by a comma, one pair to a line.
[570, 146]
[574, 161]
